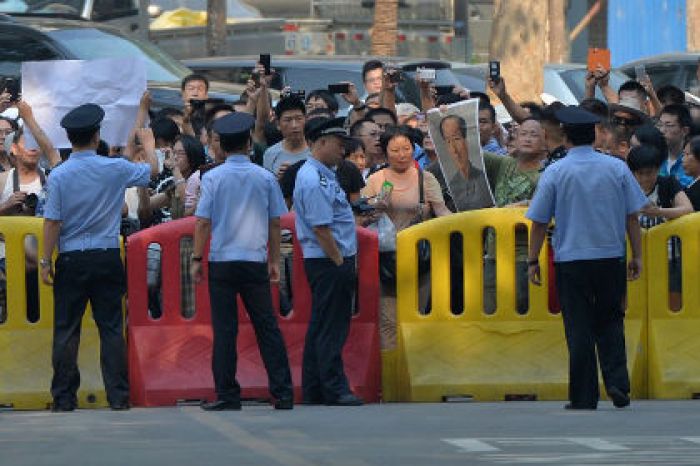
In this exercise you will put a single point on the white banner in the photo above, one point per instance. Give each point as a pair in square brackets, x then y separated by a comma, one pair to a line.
[53, 88]
[455, 133]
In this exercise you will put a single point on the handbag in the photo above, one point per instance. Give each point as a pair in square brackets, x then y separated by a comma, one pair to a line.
[387, 259]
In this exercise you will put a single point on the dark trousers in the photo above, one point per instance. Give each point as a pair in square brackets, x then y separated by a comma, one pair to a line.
[96, 276]
[332, 290]
[252, 282]
[591, 294]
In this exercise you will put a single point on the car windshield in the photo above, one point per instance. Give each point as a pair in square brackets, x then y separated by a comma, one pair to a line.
[575, 80]
[90, 44]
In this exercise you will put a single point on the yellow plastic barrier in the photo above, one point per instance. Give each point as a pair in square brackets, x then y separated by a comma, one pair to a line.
[674, 337]
[25, 347]
[487, 357]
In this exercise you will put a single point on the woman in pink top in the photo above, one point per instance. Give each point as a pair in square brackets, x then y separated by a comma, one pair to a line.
[403, 208]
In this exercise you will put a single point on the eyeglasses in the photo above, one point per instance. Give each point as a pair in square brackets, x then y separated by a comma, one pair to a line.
[5, 132]
[662, 126]
[373, 134]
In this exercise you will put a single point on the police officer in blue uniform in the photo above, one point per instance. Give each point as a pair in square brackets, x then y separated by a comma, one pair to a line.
[85, 195]
[326, 230]
[240, 207]
[594, 200]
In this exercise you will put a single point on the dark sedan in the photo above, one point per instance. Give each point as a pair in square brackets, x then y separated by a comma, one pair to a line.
[677, 69]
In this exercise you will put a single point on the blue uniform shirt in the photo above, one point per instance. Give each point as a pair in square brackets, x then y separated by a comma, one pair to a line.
[319, 201]
[677, 171]
[589, 195]
[86, 194]
[239, 198]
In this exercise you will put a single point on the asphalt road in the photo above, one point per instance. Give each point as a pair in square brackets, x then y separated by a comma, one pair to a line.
[648, 433]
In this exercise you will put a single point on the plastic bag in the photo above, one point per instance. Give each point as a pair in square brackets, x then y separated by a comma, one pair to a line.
[386, 231]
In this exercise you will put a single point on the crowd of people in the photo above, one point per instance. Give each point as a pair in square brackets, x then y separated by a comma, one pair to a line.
[386, 167]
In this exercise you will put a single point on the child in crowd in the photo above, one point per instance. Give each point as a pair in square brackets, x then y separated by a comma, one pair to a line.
[691, 165]
[666, 197]
[355, 153]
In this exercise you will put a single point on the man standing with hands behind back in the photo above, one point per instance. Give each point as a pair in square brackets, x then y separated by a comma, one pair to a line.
[82, 214]
[326, 230]
[594, 200]
[240, 206]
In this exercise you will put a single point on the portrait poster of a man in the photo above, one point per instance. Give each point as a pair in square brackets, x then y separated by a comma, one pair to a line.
[455, 132]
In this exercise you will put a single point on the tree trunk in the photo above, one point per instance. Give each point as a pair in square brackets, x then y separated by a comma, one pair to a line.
[216, 27]
[385, 28]
[558, 39]
[519, 42]
[692, 22]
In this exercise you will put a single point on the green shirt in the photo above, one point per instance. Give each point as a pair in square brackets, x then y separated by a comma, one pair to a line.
[510, 185]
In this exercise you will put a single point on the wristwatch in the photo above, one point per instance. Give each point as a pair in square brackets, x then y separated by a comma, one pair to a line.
[196, 258]
[45, 262]
[359, 107]
[532, 262]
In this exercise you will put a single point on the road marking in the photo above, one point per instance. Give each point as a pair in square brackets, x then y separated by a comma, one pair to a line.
[597, 444]
[471, 445]
[242, 437]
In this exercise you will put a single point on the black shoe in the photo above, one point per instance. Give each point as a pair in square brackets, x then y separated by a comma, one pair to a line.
[346, 400]
[62, 408]
[123, 406]
[583, 408]
[284, 403]
[222, 405]
[619, 399]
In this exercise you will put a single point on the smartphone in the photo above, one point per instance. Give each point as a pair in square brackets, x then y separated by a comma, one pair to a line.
[12, 85]
[444, 90]
[495, 70]
[340, 88]
[640, 72]
[598, 57]
[265, 62]
[426, 74]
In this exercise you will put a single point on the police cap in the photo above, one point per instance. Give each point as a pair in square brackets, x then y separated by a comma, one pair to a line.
[234, 124]
[84, 118]
[576, 116]
[319, 127]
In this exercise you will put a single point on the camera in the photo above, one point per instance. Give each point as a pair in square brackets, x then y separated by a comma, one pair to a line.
[444, 90]
[363, 207]
[31, 201]
[395, 76]
[301, 94]
[426, 74]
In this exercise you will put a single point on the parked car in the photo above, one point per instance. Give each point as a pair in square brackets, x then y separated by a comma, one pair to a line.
[677, 69]
[564, 82]
[312, 73]
[27, 38]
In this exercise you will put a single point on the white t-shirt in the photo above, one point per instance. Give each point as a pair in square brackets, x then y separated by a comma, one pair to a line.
[31, 188]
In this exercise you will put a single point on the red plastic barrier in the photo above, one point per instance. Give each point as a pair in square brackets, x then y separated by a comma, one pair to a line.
[170, 358]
